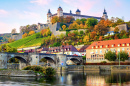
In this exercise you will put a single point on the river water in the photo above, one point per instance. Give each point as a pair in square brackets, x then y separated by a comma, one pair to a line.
[71, 79]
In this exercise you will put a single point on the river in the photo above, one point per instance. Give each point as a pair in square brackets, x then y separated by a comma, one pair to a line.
[71, 79]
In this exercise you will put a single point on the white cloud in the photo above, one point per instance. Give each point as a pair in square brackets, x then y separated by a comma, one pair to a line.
[41, 2]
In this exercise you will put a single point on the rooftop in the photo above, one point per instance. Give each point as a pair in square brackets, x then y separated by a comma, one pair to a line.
[109, 43]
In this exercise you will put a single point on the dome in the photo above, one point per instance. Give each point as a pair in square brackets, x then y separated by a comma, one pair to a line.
[77, 10]
[104, 12]
[60, 9]
[49, 12]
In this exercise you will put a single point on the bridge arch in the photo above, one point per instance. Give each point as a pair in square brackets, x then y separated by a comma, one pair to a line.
[22, 61]
[76, 60]
[50, 60]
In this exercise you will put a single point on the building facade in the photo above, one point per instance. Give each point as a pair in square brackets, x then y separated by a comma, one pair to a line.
[95, 52]
[77, 15]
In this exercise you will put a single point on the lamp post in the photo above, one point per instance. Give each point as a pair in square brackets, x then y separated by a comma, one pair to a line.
[119, 59]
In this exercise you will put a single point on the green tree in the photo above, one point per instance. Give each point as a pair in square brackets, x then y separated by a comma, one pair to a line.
[91, 22]
[83, 20]
[111, 56]
[123, 55]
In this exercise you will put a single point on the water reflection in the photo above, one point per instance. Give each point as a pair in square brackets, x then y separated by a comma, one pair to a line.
[70, 79]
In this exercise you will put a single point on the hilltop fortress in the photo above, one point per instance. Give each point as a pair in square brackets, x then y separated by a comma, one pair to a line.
[77, 15]
[55, 27]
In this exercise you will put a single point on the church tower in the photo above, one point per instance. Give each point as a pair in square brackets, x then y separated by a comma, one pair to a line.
[59, 12]
[78, 12]
[105, 15]
[49, 14]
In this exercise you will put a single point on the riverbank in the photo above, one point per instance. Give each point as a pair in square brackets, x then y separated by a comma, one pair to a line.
[95, 68]
[18, 73]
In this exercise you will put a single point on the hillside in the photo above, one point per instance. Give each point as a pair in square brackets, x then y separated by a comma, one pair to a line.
[29, 41]
[5, 37]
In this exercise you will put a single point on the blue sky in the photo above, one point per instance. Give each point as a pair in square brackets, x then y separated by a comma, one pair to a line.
[16, 13]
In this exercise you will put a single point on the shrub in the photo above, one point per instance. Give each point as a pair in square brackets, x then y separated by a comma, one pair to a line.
[103, 62]
[123, 55]
[34, 68]
[111, 56]
[49, 71]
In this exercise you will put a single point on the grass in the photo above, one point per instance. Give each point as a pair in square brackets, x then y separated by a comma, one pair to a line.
[27, 42]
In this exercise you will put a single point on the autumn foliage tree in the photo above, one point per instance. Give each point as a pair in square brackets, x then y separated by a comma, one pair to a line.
[64, 27]
[24, 35]
[100, 29]
[93, 34]
[45, 32]
[116, 30]
[54, 19]
[31, 33]
[100, 38]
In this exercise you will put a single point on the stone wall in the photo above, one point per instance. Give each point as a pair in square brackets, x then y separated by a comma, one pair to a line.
[17, 73]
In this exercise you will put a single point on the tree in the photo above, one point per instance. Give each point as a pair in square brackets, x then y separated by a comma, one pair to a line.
[107, 23]
[116, 30]
[64, 27]
[91, 22]
[116, 36]
[55, 19]
[69, 19]
[43, 60]
[78, 21]
[13, 31]
[111, 56]
[31, 32]
[81, 26]
[83, 20]
[100, 38]
[45, 32]
[7, 48]
[123, 55]
[93, 34]
[100, 29]
[24, 35]
[13, 60]
[11, 40]
[86, 39]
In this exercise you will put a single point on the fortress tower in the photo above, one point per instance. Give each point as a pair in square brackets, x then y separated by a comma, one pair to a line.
[105, 15]
[78, 12]
[59, 12]
[49, 14]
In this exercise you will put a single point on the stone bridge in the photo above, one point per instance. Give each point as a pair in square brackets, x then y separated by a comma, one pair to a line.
[34, 59]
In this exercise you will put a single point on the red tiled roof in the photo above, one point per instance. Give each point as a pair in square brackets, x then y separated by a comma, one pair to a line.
[109, 43]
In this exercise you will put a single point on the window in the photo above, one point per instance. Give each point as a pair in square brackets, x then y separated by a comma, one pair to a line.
[128, 44]
[118, 50]
[123, 49]
[112, 45]
[128, 53]
[96, 51]
[123, 44]
[96, 46]
[118, 45]
[106, 45]
[100, 51]
[101, 46]
[127, 48]
[92, 47]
